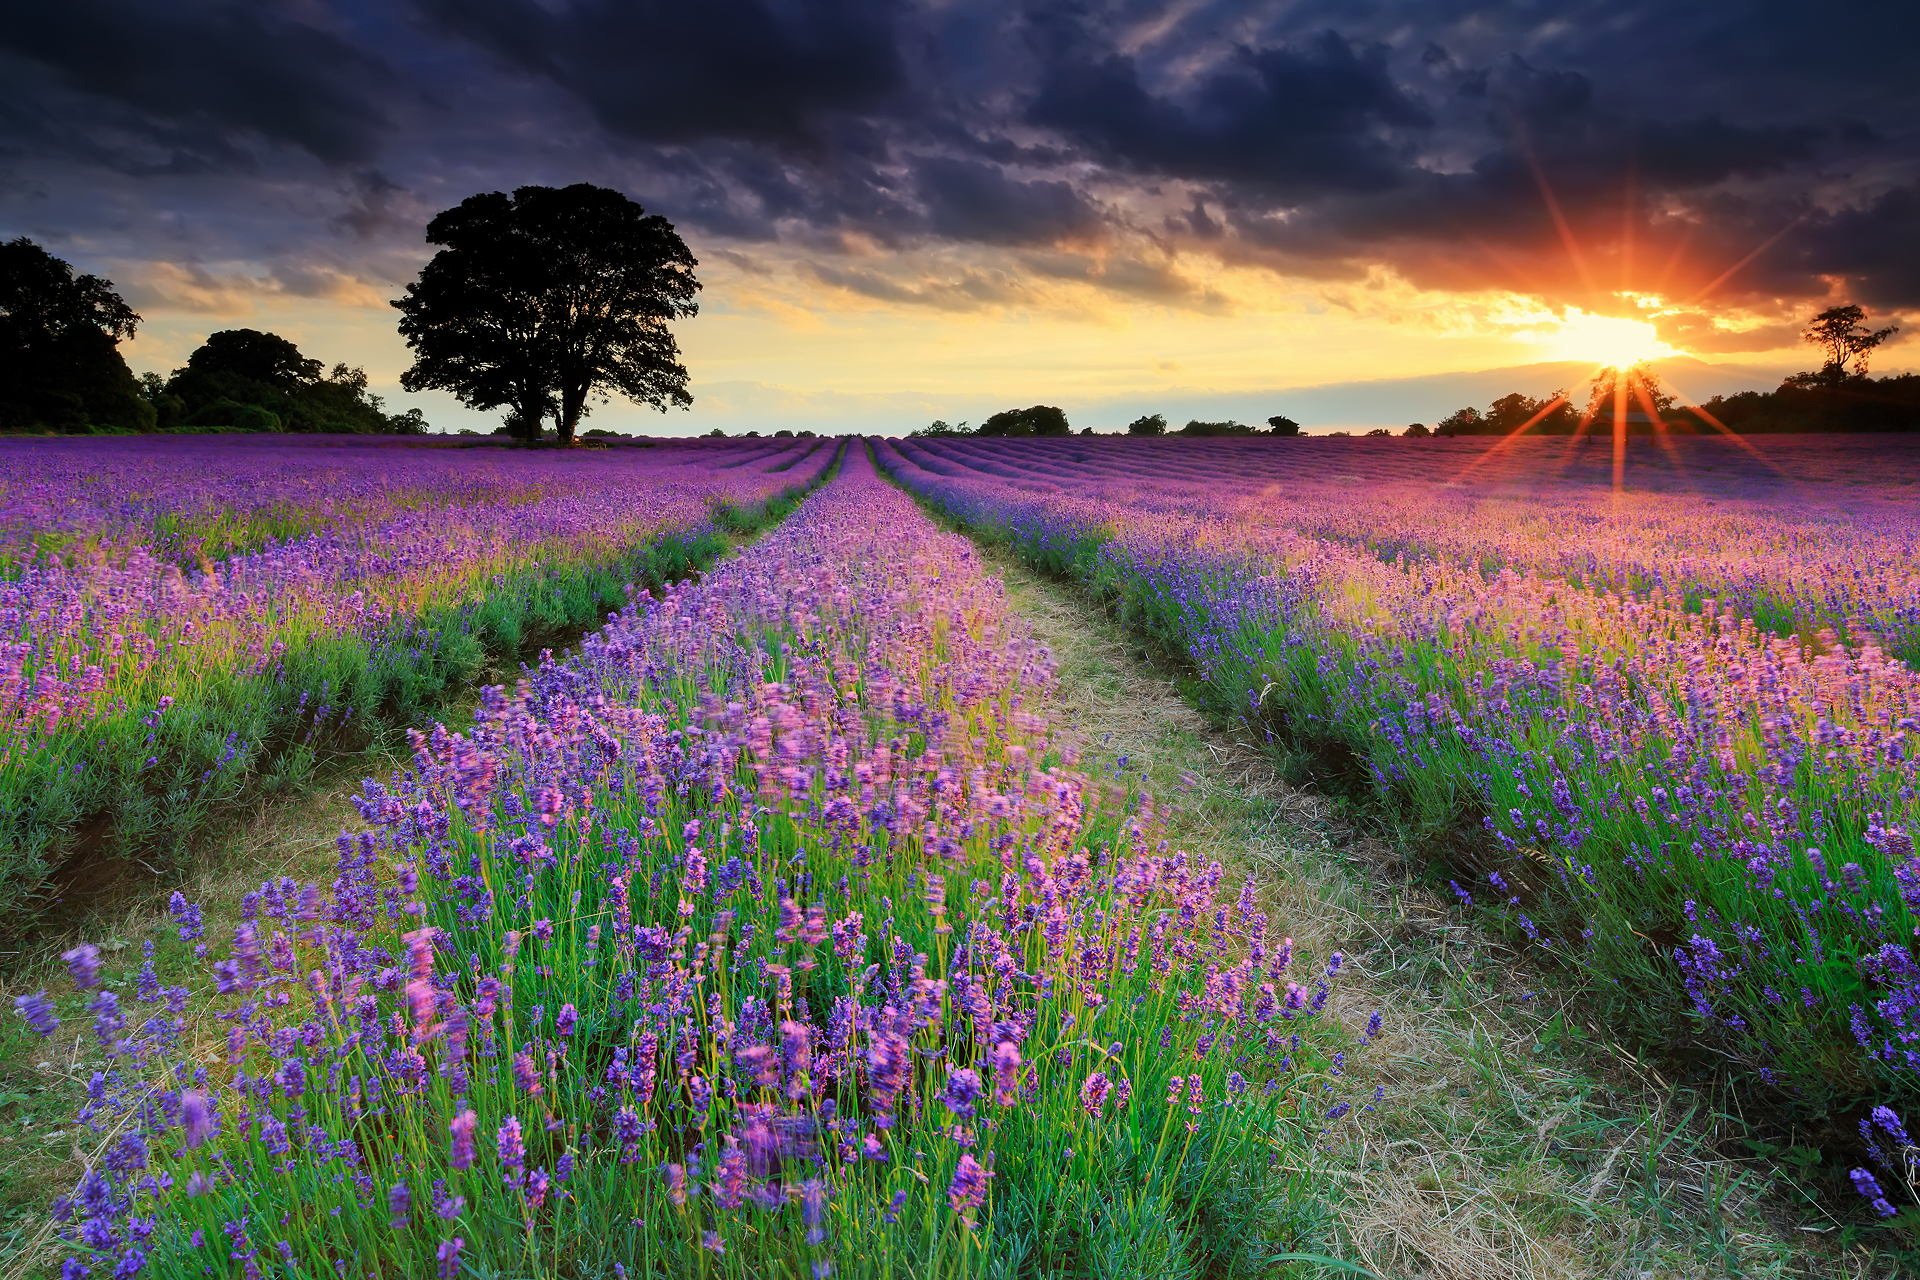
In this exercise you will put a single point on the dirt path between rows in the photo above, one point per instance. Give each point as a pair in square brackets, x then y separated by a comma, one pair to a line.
[1514, 1141]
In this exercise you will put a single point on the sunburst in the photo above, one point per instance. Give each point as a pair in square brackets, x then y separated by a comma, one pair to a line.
[1620, 349]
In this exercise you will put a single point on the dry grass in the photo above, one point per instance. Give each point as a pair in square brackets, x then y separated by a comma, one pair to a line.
[1515, 1142]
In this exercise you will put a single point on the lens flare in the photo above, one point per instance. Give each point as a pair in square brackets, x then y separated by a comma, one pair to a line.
[1617, 342]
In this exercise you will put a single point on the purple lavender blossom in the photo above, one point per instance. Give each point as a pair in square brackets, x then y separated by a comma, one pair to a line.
[196, 1116]
[462, 1127]
[38, 1011]
[968, 1191]
[83, 962]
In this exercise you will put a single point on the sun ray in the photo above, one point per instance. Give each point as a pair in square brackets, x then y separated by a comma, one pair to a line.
[1706, 290]
[1561, 226]
[1694, 408]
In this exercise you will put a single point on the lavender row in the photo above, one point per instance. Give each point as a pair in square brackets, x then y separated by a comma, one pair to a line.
[389, 534]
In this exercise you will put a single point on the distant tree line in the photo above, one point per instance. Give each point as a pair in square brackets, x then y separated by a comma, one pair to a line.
[1047, 420]
[1837, 397]
[1035, 420]
[61, 368]
[784, 433]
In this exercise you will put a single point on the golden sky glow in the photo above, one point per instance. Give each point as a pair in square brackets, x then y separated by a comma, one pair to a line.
[775, 341]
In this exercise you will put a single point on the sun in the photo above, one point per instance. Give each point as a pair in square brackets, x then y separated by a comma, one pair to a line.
[1612, 341]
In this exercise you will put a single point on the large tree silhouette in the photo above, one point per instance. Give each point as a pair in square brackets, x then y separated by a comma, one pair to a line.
[60, 364]
[545, 300]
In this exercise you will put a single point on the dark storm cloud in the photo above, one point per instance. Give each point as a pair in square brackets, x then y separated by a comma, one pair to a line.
[1325, 115]
[222, 70]
[1875, 246]
[1098, 141]
[977, 201]
[670, 71]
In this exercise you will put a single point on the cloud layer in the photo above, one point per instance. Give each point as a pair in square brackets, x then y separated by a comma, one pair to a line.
[976, 156]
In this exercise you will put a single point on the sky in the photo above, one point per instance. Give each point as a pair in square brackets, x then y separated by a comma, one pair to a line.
[1355, 213]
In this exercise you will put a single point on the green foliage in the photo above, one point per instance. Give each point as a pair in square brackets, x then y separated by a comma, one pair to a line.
[941, 427]
[1148, 424]
[1281, 425]
[1037, 420]
[257, 381]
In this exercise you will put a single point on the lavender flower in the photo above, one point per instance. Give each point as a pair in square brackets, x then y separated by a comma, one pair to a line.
[462, 1127]
[196, 1116]
[83, 962]
[968, 1191]
[38, 1011]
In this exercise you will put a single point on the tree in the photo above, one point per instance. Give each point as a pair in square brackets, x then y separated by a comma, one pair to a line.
[1039, 420]
[941, 427]
[1841, 334]
[1416, 431]
[1516, 410]
[543, 300]
[1281, 425]
[262, 382]
[1197, 427]
[1461, 422]
[60, 362]
[1510, 412]
[1148, 424]
[252, 357]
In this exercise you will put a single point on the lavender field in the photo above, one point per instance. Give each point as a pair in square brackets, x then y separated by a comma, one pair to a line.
[769, 916]
[1669, 737]
[180, 618]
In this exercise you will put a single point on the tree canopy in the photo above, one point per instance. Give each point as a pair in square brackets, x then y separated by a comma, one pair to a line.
[260, 381]
[1199, 427]
[1842, 336]
[1039, 420]
[1281, 425]
[546, 300]
[1148, 424]
[60, 362]
[1632, 388]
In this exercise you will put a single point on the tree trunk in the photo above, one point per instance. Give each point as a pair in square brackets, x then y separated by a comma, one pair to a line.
[526, 422]
[571, 404]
